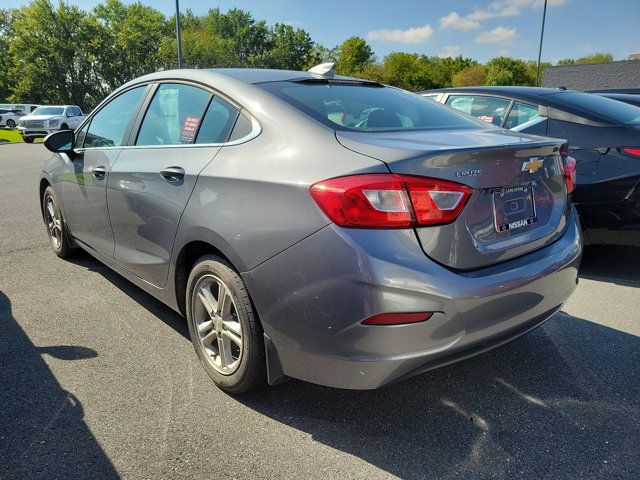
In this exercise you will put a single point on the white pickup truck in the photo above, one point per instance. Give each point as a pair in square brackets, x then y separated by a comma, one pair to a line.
[47, 119]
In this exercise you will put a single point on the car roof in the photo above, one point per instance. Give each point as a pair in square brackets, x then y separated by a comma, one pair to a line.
[524, 93]
[242, 75]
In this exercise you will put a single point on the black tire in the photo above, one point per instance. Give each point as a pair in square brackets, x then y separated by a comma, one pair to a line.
[64, 126]
[59, 242]
[28, 139]
[11, 123]
[250, 372]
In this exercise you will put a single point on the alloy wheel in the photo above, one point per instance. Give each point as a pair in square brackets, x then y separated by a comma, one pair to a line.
[217, 325]
[53, 221]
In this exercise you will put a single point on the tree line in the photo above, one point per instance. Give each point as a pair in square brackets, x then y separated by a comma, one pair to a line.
[60, 53]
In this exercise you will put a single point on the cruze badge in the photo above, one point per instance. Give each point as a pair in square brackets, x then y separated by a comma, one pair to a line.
[468, 173]
[532, 166]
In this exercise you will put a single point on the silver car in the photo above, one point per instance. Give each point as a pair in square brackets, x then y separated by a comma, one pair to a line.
[348, 249]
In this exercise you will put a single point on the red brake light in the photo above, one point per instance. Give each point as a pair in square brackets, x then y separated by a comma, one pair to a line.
[632, 151]
[389, 200]
[570, 173]
[397, 318]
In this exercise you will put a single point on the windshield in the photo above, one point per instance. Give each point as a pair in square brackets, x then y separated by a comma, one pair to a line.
[607, 109]
[48, 111]
[368, 107]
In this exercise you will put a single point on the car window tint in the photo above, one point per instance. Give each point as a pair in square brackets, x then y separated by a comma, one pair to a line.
[174, 115]
[241, 129]
[599, 108]
[488, 109]
[521, 113]
[109, 125]
[217, 122]
[365, 107]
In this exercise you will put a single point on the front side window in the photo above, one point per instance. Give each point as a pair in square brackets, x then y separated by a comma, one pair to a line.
[521, 113]
[174, 115]
[109, 125]
[217, 122]
[81, 135]
[366, 107]
[488, 109]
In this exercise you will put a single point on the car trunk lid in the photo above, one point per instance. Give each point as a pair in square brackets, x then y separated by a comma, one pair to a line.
[519, 202]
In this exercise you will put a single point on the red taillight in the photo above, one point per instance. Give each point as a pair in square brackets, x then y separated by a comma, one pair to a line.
[389, 200]
[632, 151]
[570, 173]
[397, 318]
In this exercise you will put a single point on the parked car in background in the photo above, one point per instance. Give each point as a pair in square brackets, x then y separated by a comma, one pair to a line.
[629, 98]
[26, 108]
[46, 119]
[9, 117]
[314, 226]
[604, 138]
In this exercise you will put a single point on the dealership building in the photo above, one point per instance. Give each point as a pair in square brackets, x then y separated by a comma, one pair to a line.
[620, 75]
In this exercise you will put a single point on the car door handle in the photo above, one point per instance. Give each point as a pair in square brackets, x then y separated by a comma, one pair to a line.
[99, 172]
[172, 174]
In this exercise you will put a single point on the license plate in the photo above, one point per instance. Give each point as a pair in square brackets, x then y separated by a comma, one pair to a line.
[513, 208]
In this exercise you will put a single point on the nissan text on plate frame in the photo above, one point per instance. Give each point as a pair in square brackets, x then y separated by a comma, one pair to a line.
[317, 227]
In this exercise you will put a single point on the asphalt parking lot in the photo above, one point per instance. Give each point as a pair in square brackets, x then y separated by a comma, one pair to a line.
[99, 380]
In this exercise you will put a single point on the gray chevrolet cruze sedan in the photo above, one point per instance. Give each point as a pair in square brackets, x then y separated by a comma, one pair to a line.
[319, 227]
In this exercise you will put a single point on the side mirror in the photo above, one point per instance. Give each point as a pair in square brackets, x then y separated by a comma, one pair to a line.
[59, 142]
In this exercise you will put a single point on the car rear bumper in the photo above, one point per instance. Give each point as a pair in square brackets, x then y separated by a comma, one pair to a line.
[312, 297]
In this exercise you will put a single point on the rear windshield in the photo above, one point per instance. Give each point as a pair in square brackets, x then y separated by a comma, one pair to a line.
[368, 107]
[48, 111]
[607, 109]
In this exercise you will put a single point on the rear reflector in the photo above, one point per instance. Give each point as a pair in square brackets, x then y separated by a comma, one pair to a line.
[389, 200]
[397, 318]
[570, 173]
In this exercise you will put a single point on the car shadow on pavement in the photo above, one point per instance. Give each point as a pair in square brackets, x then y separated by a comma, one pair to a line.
[611, 263]
[42, 429]
[561, 402]
[154, 306]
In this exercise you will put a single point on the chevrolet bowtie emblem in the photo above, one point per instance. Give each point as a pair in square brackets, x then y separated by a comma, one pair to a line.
[532, 166]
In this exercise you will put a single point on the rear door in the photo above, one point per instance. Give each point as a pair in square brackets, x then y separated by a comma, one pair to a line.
[181, 132]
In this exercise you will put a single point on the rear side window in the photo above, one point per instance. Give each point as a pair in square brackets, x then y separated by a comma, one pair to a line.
[174, 115]
[217, 122]
[521, 113]
[241, 129]
[599, 108]
[109, 125]
[488, 109]
[366, 107]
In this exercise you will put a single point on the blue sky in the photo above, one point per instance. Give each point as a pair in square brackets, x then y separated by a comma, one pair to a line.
[481, 29]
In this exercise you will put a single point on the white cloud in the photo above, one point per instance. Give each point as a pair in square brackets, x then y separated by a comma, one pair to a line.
[497, 35]
[449, 51]
[454, 21]
[411, 35]
[497, 9]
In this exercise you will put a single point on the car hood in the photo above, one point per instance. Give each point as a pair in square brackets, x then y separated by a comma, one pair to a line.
[39, 117]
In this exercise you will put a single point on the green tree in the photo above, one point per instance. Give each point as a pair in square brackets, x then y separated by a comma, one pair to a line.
[508, 71]
[595, 58]
[6, 60]
[406, 70]
[290, 48]
[50, 64]
[249, 38]
[470, 77]
[128, 41]
[354, 54]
